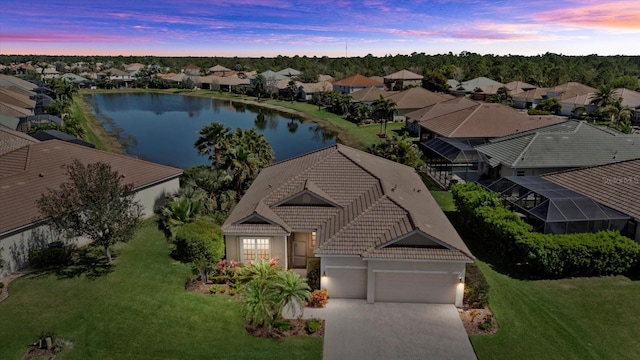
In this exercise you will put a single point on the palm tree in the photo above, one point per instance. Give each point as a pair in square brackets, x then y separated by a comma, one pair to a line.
[259, 85]
[175, 213]
[605, 96]
[257, 307]
[293, 292]
[213, 141]
[292, 88]
[386, 108]
[362, 111]
[243, 166]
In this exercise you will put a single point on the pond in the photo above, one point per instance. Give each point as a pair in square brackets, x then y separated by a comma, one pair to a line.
[162, 128]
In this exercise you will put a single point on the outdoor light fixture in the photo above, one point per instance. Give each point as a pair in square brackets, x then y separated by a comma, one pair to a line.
[324, 274]
[460, 279]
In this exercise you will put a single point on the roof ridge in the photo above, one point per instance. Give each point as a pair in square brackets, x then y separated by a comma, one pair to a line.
[521, 154]
[478, 106]
[445, 114]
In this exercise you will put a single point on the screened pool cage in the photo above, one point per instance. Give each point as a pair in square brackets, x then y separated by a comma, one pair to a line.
[551, 208]
[451, 159]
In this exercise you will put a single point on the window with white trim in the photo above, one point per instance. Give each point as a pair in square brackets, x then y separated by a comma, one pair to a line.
[254, 249]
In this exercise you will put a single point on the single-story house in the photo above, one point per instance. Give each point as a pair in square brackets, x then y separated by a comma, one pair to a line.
[10, 115]
[31, 167]
[355, 83]
[377, 231]
[404, 78]
[562, 92]
[614, 185]
[369, 94]
[568, 145]
[414, 99]
[290, 73]
[473, 85]
[514, 87]
[8, 96]
[306, 91]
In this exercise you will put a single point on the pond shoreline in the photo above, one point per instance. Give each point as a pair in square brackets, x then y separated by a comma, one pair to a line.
[341, 136]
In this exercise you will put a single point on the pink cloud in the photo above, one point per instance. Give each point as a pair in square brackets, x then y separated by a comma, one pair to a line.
[604, 14]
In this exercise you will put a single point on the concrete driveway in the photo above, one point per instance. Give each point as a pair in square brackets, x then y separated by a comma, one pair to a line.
[357, 330]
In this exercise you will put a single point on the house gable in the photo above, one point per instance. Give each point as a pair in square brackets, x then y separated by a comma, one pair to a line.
[311, 195]
[414, 239]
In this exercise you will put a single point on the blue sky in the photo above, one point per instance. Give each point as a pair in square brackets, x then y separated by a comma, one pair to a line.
[319, 28]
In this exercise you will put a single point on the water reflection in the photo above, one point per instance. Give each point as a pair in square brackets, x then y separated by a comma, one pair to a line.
[163, 128]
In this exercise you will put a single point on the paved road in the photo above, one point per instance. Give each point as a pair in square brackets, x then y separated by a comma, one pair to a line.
[357, 330]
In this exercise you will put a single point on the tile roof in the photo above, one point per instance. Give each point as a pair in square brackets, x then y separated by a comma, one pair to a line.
[614, 185]
[464, 118]
[27, 172]
[13, 110]
[573, 144]
[9, 80]
[11, 140]
[358, 80]
[369, 94]
[368, 202]
[477, 83]
[515, 87]
[11, 97]
[404, 75]
[417, 98]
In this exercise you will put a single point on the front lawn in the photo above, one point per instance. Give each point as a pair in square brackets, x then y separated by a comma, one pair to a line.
[580, 318]
[139, 310]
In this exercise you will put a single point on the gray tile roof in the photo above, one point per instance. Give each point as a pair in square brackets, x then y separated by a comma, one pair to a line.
[370, 201]
[614, 185]
[573, 144]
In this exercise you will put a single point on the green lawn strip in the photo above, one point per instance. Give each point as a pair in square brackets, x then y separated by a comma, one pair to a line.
[581, 318]
[444, 199]
[138, 311]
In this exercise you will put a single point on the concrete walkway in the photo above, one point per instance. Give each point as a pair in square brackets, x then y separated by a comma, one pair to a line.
[357, 330]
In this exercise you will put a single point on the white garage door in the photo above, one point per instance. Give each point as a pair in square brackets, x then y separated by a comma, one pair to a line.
[347, 283]
[415, 288]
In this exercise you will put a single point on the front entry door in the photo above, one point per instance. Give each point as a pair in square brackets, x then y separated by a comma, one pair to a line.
[299, 251]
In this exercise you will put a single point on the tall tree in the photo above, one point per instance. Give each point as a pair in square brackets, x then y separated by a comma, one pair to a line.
[385, 108]
[93, 203]
[259, 86]
[605, 96]
[212, 142]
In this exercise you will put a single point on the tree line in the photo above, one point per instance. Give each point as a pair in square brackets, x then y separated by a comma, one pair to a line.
[543, 70]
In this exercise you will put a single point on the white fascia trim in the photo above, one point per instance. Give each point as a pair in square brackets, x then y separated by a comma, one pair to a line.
[420, 260]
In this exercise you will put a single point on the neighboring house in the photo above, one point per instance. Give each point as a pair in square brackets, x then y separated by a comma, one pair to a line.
[228, 83]
[26, 123]
[403, 78]
[372, 223]
[135, 67]
[628, 98]
[566, 91]
[27, 172]
[290, 73]
[192, 70]
[11, 140]
[415, 98]
[10, 115]
[12, 81]
[218, 70]
[78, 81]
[614, 185]
[8, 96]
[355, 83]
[45, 135]
[449, 130]
[553, 209]
[369, 94]
[306, 91]
[514, 87]
[466, 119]
[569, 145]
[472, 86]
[116, 75]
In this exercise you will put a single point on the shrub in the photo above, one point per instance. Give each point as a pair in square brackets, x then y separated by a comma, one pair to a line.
[319, 298]
[487, 323]
[476, 288]
[217, 289]
[56, 255]
[284, 325]
[507, 239]
[200, 243]
[313, 274]
[313, 325]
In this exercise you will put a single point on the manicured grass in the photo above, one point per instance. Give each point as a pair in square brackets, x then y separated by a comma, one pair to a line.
[444, 199]
[139, 310]
[581, 318]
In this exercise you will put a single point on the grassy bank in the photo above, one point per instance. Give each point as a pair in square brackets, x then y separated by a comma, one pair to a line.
[137, 310]
[94, 132]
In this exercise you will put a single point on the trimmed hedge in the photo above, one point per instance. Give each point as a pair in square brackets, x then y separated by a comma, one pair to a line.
[505, 236]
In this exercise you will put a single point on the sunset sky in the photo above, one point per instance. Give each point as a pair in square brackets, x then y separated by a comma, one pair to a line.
[318, 27]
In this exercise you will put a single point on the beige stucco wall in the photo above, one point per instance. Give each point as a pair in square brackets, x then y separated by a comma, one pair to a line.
[153, 196]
